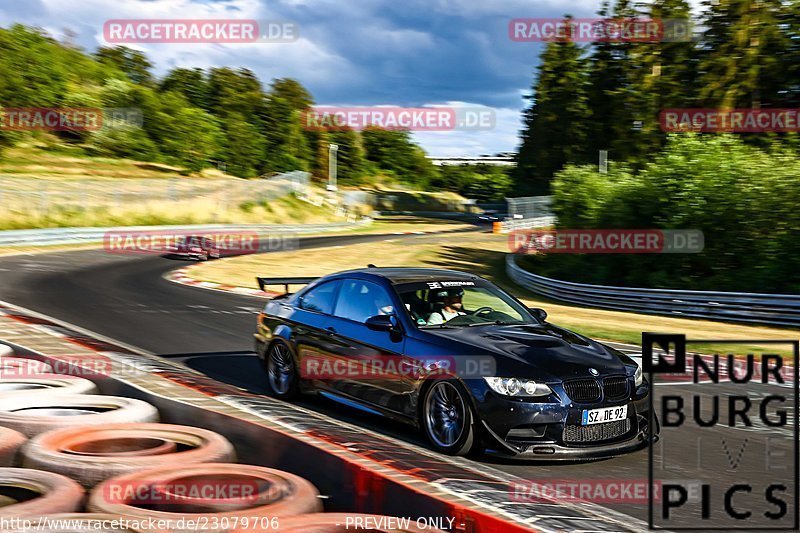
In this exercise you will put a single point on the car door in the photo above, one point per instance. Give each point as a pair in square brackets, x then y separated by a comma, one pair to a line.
[315, 333]
[375, 355]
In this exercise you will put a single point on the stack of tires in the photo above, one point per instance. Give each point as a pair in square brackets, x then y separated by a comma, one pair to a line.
[65, 449]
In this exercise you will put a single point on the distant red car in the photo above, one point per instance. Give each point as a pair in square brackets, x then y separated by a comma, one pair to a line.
[195, 247]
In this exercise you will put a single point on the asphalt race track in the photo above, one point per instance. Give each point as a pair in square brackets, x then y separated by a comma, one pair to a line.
[127, 299]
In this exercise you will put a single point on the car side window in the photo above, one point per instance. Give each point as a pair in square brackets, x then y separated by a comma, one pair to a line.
[320, 299]
[359, 300]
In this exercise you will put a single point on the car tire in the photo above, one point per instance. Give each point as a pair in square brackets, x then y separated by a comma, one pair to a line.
[54, 493]
[282, 376]
[447, 418]
[90, 455]
[59, 411]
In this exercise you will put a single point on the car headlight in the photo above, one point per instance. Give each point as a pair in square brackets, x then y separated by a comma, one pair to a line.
[638, 378]
[521, 388]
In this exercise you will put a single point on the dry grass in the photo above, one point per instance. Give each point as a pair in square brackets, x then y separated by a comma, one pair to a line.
[32, 250]
[483, 254]
[36, 159]
[287, 210]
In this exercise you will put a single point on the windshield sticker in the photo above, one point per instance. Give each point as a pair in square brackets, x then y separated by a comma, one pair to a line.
[440, 284]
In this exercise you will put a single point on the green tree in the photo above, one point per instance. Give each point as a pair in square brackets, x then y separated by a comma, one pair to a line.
[350, 161]
[285, 147]
[298, 97]
[28, 74]
[662, 75]
[480, 182]
[293, 92]
[742, 54]
[555, 124]
[318, 142]
[740, 197]
[131, 62]
[393, 151]
[195, 138]
[191, 83]
[127, 141]
[610, 73]
[234, 91]
[243, 147]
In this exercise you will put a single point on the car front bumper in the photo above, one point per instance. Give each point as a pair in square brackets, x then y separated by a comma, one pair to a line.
[552, 430]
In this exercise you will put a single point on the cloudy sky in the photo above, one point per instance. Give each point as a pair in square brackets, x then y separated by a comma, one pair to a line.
[408, 53]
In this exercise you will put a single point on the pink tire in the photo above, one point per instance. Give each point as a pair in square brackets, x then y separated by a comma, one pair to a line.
[175, 493]
[10, 442]
[90, 455]
[33, 493]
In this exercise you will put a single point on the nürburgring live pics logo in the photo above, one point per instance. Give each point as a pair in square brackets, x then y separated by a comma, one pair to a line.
[727, 454]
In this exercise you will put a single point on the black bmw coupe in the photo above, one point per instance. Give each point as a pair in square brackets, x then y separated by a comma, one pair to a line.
[453, 354]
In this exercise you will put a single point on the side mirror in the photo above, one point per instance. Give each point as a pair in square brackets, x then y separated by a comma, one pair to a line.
[539, 313]
[381, 323]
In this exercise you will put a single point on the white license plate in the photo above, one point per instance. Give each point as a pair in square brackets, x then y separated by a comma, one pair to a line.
[606, 414]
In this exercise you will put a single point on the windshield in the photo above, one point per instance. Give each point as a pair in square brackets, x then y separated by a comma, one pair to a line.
[460, 304]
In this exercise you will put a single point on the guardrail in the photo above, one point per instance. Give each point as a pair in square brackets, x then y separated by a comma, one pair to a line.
[52, 236]
[511, 225]
[772, 309]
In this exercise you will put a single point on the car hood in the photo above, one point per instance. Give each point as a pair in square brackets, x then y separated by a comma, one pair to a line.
[543, 352]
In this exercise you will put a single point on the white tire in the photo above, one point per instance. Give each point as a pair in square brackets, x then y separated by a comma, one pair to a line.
[39, 384]
[32, 414]
[5, 350]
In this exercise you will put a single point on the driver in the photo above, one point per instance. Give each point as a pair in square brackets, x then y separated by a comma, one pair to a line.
[451, 307]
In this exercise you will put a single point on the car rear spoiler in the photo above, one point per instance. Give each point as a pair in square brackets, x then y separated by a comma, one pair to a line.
[263, 282]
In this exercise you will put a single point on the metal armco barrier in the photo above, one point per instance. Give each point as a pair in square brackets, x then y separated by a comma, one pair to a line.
[510, 225]
[772, 309]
